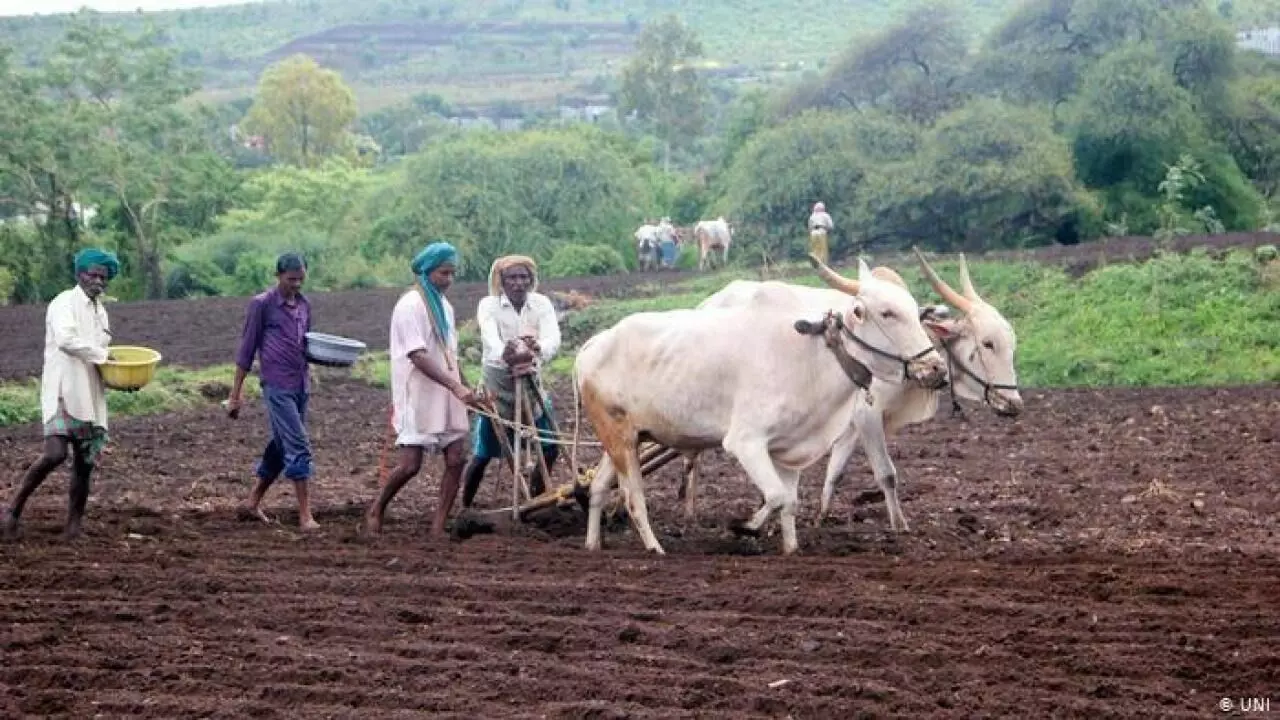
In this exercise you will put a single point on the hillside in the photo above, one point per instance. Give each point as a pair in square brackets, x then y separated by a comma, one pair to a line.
[486, 50]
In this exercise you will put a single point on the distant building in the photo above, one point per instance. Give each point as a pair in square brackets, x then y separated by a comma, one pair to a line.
[1263, 40]
[588, 109]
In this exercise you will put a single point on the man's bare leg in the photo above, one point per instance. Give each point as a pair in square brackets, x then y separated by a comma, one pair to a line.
[408, 463]
[249, 510]
[78, 495]
[53, 455]
[305, 519]
[454, 460]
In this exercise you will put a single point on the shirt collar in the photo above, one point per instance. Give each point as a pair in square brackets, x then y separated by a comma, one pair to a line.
[504, 301]
[84, 296]
[279, 298]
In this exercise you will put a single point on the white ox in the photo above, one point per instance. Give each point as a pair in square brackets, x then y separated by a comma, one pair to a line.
[980, 354]
[648, 241]
[712, 235]
[746, 380]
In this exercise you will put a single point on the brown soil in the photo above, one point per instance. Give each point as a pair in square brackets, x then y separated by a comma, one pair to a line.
[1041, 579]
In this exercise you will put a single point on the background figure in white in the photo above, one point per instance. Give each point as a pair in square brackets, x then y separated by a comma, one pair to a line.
[820, 227]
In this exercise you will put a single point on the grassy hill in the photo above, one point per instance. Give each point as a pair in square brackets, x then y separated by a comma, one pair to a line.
[486, 50]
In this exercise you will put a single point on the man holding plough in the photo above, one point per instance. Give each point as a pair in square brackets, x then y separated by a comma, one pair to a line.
[519, 333]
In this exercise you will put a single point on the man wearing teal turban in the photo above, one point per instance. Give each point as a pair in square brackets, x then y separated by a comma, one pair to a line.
[73, 400]
[428, 396]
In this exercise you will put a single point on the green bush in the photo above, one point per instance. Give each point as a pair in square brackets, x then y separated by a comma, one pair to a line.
[580, 260]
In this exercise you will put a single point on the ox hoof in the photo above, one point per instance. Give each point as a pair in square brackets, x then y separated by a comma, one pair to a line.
[741, 529]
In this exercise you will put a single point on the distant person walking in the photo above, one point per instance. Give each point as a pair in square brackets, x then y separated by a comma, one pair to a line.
[73, 401]
[275, 328]
[820, 227]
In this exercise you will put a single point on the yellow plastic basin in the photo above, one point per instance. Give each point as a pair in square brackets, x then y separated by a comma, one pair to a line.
[129, 367]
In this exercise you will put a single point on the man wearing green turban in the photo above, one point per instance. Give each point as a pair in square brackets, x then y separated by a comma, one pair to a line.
[428, 396]
[73, 400]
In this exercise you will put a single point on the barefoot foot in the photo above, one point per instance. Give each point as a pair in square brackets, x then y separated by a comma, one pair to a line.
[246, 511]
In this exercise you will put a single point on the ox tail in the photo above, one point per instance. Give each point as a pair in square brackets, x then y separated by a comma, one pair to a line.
[577, 425]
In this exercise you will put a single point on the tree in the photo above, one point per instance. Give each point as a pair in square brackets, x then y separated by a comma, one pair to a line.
[911, 69]
[660, 84]
[138, 149]
[818, 155]
[99, 123]
[1251, 126]
[42, 168]
[988, 174]
[304, 111]
[1130, 121]
[493, 194]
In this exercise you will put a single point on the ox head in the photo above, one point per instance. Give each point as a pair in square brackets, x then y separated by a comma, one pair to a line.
[884, 327]
[981, 344]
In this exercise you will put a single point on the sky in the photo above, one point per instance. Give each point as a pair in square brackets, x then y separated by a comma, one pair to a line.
[49, 7]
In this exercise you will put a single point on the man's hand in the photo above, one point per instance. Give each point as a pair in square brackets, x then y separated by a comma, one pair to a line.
[233, 406]
[463, 393]
[531, 342]
[516, 353]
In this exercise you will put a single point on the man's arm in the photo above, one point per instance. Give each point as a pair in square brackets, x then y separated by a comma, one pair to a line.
[486, 317]
[68, 336]
[548, 331]
[432, 368]
[250, 340]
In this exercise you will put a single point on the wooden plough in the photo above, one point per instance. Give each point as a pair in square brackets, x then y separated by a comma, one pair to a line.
[653, 457]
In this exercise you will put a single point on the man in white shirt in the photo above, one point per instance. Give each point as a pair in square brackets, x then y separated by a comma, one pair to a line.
[428, 394]
[73, 399]
[519, 333]
[820, 226]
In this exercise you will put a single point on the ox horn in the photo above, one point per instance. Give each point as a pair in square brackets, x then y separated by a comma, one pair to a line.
[966, 285]
[833, 278]
[962, 303]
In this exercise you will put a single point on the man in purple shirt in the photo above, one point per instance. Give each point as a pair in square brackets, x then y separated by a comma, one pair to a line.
[275, 326]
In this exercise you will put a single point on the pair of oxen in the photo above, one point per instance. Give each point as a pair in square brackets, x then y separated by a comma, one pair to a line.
[779, 376]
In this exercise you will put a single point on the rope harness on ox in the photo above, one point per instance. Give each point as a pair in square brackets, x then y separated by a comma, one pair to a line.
[832, 327]
[954, 362]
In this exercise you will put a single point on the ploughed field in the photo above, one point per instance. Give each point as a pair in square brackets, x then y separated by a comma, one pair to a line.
[1109, 552]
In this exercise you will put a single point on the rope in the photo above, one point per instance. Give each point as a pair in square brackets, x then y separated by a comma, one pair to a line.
[530, 431]
[526, 431]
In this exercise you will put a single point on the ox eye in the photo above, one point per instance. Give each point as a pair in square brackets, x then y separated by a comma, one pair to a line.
[988, 345]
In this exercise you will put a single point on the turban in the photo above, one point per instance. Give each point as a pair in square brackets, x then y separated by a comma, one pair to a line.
[505, 263]
[433, 256]
[89, 257]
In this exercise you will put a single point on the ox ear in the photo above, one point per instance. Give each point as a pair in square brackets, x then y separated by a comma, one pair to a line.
[864, 271]
[942, 328]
